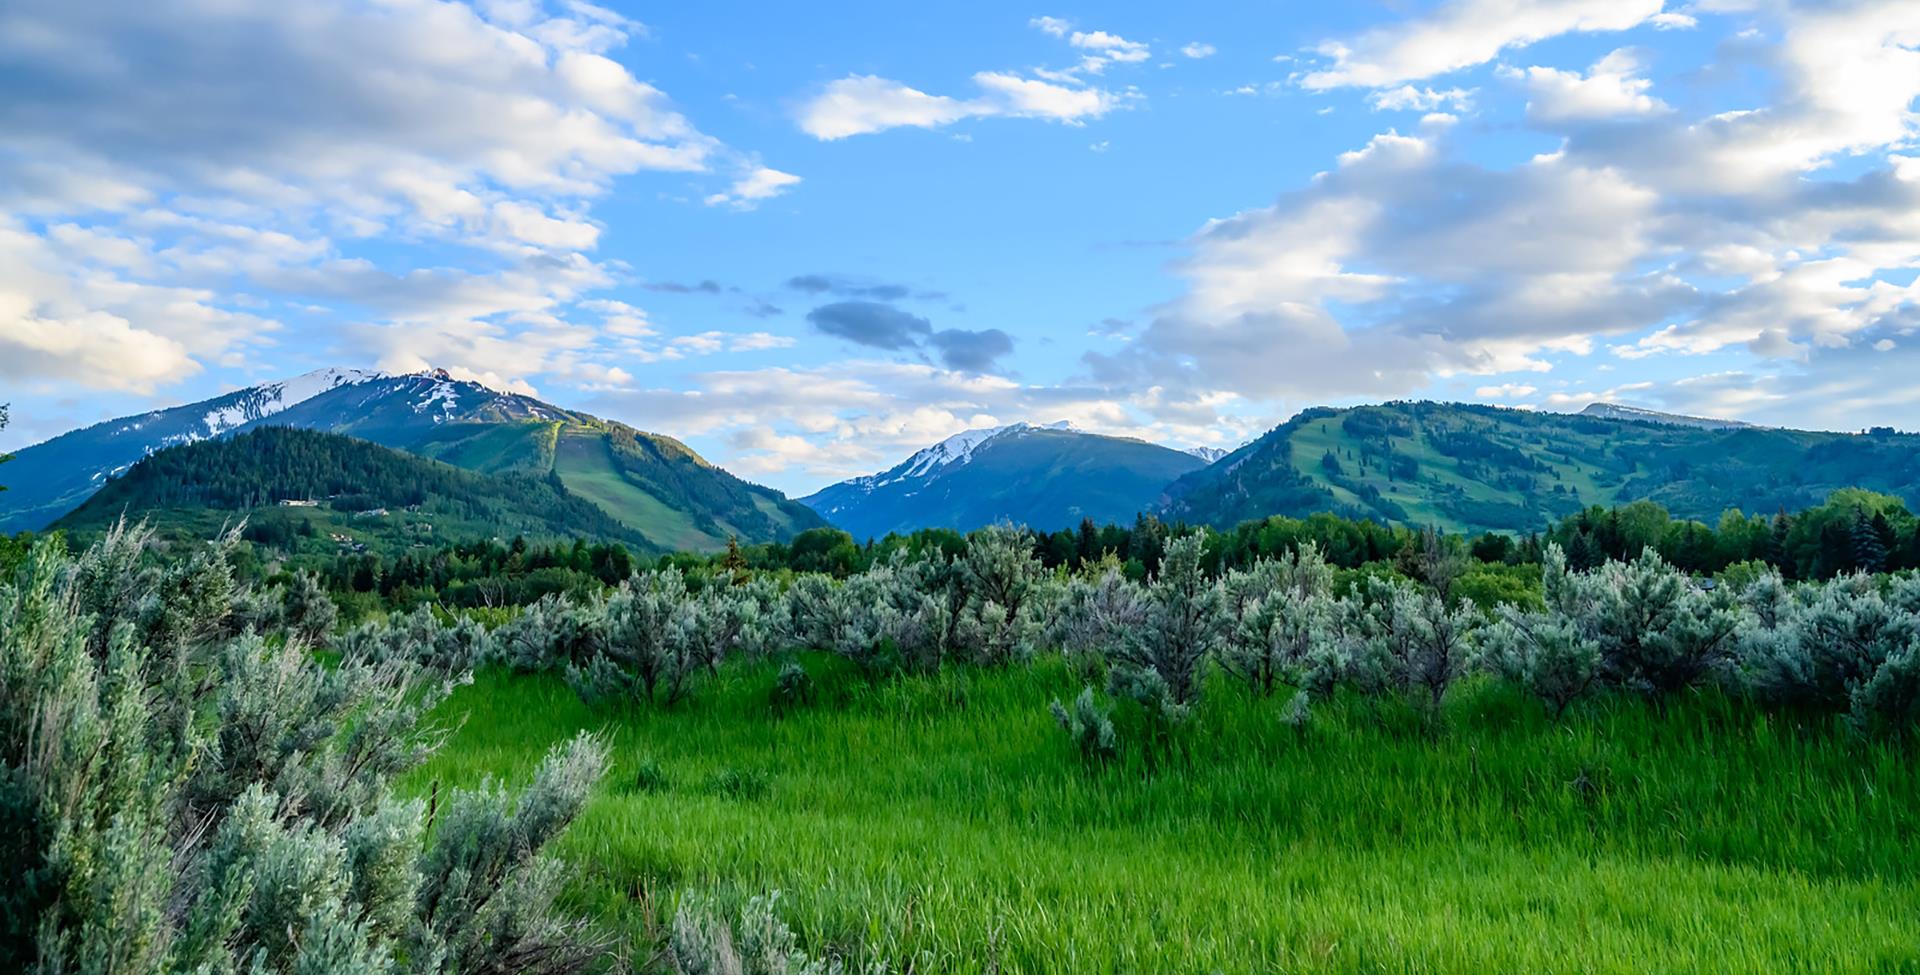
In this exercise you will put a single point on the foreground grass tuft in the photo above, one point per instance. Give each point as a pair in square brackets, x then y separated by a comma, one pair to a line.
[947, 821]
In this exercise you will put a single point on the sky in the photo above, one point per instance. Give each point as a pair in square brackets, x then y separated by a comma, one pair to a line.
[809, 239]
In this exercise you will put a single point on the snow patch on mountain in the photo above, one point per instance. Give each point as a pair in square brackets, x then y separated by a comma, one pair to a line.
[238, 408]
[1208, 454]
[267, 399]
[444, 391]
[1621, 411]
[955, 450]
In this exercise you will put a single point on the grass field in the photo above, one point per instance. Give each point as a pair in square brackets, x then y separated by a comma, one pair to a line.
[946, 822]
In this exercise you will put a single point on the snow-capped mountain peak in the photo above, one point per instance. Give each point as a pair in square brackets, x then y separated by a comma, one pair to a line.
[243, 406]
[1208, 454]
[957, 449]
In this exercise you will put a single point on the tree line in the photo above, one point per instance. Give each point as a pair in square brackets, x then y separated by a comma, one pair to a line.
[1854, 531]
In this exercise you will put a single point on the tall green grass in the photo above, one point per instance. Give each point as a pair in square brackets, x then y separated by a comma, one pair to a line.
[946, 821]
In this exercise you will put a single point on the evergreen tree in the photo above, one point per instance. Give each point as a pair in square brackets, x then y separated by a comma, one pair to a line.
[734, 563]
[1776, 544]
[1088, 547]
[1834, 552]
[1869, 551]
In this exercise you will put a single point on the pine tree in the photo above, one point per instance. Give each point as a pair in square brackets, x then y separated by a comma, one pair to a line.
[1835, 553]
[1868, 550]
[1088, 547]
[734, 563]
[1775, 553]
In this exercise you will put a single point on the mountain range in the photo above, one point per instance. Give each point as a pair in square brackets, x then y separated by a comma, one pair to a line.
[1049, 476]
[1463, 468]
[1482, 468]
[655, 486]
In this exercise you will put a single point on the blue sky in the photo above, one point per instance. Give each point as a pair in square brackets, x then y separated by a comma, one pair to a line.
[809, 239]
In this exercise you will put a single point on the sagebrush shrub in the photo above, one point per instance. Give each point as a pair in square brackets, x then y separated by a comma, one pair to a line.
[181, 794]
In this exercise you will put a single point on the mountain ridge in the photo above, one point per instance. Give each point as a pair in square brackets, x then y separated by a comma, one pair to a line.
[1473, 468]
[650, 482]
[1622, 411]
[1045, 475]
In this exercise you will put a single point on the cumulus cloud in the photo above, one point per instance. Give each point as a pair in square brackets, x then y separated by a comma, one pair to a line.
[1609, 90]
[1464, 33]
[1646, 233]
[67, 312]
[197, 167]
[1198, 50]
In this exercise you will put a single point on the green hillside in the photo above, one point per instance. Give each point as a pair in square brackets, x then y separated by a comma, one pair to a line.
[651, 483]
[1479, 468]
[346, 493]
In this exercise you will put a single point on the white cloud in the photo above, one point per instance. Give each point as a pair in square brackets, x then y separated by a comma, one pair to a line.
[1109, 48]
[864, 104]
[1608, 90]
[1409, 98]
[180, 171]
[1644, 233]
[1463, 33]
[757, 184]
[861, 416]
[1506, 391]
[1102, 47]
[1198, 50]
[1672, 20]
[1051, 25]
[861, 104]
[67, 313]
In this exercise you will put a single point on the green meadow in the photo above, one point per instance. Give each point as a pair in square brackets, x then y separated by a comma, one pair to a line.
[946, 824]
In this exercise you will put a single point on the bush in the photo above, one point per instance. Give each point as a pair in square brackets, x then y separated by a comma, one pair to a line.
[1088, 726]
[179, 796]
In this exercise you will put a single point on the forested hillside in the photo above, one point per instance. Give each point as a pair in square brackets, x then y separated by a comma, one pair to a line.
[345, 494]
[651, 483]
[1477, 468]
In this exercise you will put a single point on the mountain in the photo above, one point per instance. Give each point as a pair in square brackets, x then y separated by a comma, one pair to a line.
[1208, 454]
[1049, 477]
[652, 484]
[1616, 411]
[318, 493]
[1481, 468]
[49, 479]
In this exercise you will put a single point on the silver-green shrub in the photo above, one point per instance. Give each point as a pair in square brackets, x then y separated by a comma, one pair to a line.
[179, 797]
